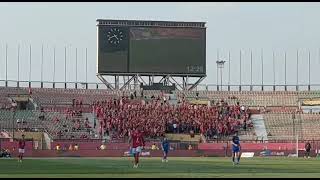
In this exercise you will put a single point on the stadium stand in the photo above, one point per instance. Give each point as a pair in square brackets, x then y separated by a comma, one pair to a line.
[282, 124]
[60, 113]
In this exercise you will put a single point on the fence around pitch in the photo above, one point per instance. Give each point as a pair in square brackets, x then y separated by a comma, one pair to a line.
[94, 144]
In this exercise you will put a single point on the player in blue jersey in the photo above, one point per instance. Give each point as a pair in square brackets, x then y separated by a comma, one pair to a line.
[236, 149]
[165, 148]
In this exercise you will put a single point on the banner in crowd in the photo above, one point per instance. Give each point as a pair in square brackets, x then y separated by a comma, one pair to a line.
[311, 102]
[200, 102]
[21, 98]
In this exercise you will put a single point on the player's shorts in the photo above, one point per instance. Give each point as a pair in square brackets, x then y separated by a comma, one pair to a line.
[235, 149]
[308, 150]
[166, 151]
[21, 150]
[136, 150]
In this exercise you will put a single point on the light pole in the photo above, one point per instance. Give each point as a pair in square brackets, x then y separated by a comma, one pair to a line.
[285, 71]
[309, 86]
[54, 66]
[251, 70]
[76, 85]
[240, 71]
[18, 65]
[86, 68]
[217, 70]
[6, 65]
[42, 66]
[262, 70]
[220, 65]
[274, 71]
[297, 86]
[65, 67]
[30, 65]
[229, 71]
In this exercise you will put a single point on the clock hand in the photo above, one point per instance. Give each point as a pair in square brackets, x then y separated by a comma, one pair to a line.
[111, 37]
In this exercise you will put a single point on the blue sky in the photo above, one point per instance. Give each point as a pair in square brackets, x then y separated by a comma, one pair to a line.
[277, 27]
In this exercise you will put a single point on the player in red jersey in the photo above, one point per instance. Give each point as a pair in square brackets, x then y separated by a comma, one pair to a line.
[21, 145]
[137, 145]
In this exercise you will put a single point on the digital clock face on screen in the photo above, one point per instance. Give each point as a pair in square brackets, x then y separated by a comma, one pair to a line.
[115, 36]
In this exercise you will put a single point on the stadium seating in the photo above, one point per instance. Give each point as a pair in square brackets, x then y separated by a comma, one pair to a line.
[4, 102]
[249, 98]
[5, 91]
[280, 125]
[29, 121]
[277, 106]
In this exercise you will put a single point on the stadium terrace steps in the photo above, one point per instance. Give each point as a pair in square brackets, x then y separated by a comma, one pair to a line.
[55, 97]
[4, 102]
[49, 96]
[281, 125]
[253, 98]
[66, 126]
[13, 91]
[259, 126]
[311, 126]
[22, 120]
[57, 100]
[29, 121]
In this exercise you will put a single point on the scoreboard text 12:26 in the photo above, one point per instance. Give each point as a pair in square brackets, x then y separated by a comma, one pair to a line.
[195, 69]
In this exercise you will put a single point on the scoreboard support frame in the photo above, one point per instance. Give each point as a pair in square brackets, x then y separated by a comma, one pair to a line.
[105, 82]
[185, 83]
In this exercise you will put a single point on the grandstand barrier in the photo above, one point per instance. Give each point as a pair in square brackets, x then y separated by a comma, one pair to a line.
[251, 146]
[90, 149]
[150, 153]
[13, 145]
[93, 145]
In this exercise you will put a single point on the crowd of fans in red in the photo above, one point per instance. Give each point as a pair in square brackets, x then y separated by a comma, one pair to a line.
[157, 117]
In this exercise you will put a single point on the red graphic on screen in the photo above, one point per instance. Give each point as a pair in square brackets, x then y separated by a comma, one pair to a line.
[165, 33]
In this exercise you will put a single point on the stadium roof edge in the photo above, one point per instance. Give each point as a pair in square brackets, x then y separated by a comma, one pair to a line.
[150, 23]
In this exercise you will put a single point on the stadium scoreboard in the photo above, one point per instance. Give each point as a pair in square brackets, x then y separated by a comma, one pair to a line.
[151, 47]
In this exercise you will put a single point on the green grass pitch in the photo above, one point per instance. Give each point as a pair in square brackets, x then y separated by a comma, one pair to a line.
[153, 167]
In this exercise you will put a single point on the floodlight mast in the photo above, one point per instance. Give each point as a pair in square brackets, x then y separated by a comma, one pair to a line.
[220, 65]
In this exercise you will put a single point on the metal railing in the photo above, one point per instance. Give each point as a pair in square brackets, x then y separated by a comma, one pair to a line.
[200, 87]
